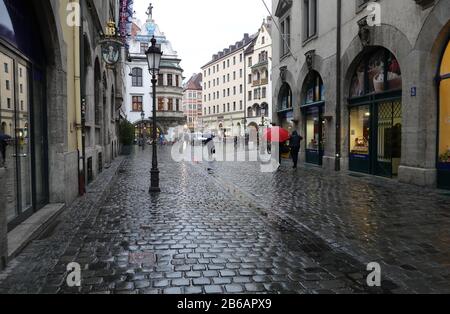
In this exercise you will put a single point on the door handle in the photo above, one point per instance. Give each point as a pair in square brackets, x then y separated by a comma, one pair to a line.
[20, 156]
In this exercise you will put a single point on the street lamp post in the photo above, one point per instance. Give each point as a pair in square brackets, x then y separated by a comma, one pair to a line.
[154, 55]
[142, 129]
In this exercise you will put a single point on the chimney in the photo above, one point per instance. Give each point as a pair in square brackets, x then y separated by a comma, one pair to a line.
[246, 36]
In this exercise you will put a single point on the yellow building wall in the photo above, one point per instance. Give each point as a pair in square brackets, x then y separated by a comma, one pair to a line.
[72, 40]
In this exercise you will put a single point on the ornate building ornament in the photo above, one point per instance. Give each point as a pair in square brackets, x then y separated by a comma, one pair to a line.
[310, 59]
[365, 32]
[283, 73]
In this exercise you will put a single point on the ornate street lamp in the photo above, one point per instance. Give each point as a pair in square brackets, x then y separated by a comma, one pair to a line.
[154, 55]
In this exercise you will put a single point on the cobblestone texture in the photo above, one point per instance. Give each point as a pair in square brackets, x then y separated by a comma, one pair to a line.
[36, 264]
[403, 227]
[264, 237]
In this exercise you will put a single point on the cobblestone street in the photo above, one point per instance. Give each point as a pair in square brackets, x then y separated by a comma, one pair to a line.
[237, 230]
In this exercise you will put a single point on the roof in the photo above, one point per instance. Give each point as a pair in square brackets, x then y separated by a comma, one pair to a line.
[232, 49]
[195, 82]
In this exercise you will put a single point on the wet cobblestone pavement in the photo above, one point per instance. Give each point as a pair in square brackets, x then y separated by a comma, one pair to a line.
[404, 228]
[275, 233]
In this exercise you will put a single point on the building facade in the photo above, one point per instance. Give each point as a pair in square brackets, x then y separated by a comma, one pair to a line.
[224, 90]
[139, 87]
[102, 88]
[258, 81]
[366, 84]
[192, 102]
[42, 86]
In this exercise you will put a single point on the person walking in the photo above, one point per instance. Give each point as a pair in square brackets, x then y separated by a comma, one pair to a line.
[294, 144]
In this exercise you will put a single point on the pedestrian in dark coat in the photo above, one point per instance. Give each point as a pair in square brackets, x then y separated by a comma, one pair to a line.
[295, 143]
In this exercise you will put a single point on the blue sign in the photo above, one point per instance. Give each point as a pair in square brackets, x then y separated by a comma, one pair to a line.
[413, 91]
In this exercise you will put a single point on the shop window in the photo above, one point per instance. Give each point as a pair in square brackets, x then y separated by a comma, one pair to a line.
[285, 98]
[360, 131]
[444, 112]
[313, 89]
[378, 72]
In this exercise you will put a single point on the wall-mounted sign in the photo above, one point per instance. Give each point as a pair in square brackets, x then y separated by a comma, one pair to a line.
[111, 45]
[413, 91]
[125, 19]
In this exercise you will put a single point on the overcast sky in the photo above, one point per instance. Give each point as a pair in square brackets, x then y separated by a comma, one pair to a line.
[198, 29]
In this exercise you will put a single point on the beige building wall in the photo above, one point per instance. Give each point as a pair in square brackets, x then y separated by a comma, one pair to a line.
[260, 87]
[223, 93]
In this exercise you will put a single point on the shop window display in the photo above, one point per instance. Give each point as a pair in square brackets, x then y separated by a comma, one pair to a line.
[360, 130]
[378, 73]
[444, 113]
[376, 114]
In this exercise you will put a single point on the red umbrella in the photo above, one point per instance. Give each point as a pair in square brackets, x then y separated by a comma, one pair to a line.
[276, 135]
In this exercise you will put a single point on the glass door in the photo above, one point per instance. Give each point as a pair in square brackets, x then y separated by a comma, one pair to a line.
[314, 135]
[22, 138]
[360, 137]
[15, 136]
[7, 144]
[388, 140]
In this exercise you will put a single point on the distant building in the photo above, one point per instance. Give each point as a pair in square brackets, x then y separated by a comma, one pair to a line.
[169, 89]
[224, 90]
[258, 81]
[192, 102]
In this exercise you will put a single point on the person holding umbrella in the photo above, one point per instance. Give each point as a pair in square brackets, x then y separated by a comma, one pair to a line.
[294, 143]
[279, 135]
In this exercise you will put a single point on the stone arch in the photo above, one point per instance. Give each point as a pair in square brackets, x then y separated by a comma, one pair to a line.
[303, 89]
[392, 39]
[318, 66]
[429, 48]
[289, 79]
[385, 36]
[285, 91]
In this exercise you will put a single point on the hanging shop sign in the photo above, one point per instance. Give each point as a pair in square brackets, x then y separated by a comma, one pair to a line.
[111, 45]
[126, 20]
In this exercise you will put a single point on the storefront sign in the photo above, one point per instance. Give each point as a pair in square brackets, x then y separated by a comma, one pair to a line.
[125, 19]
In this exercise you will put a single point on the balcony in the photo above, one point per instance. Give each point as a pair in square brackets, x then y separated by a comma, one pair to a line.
[260, 82]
